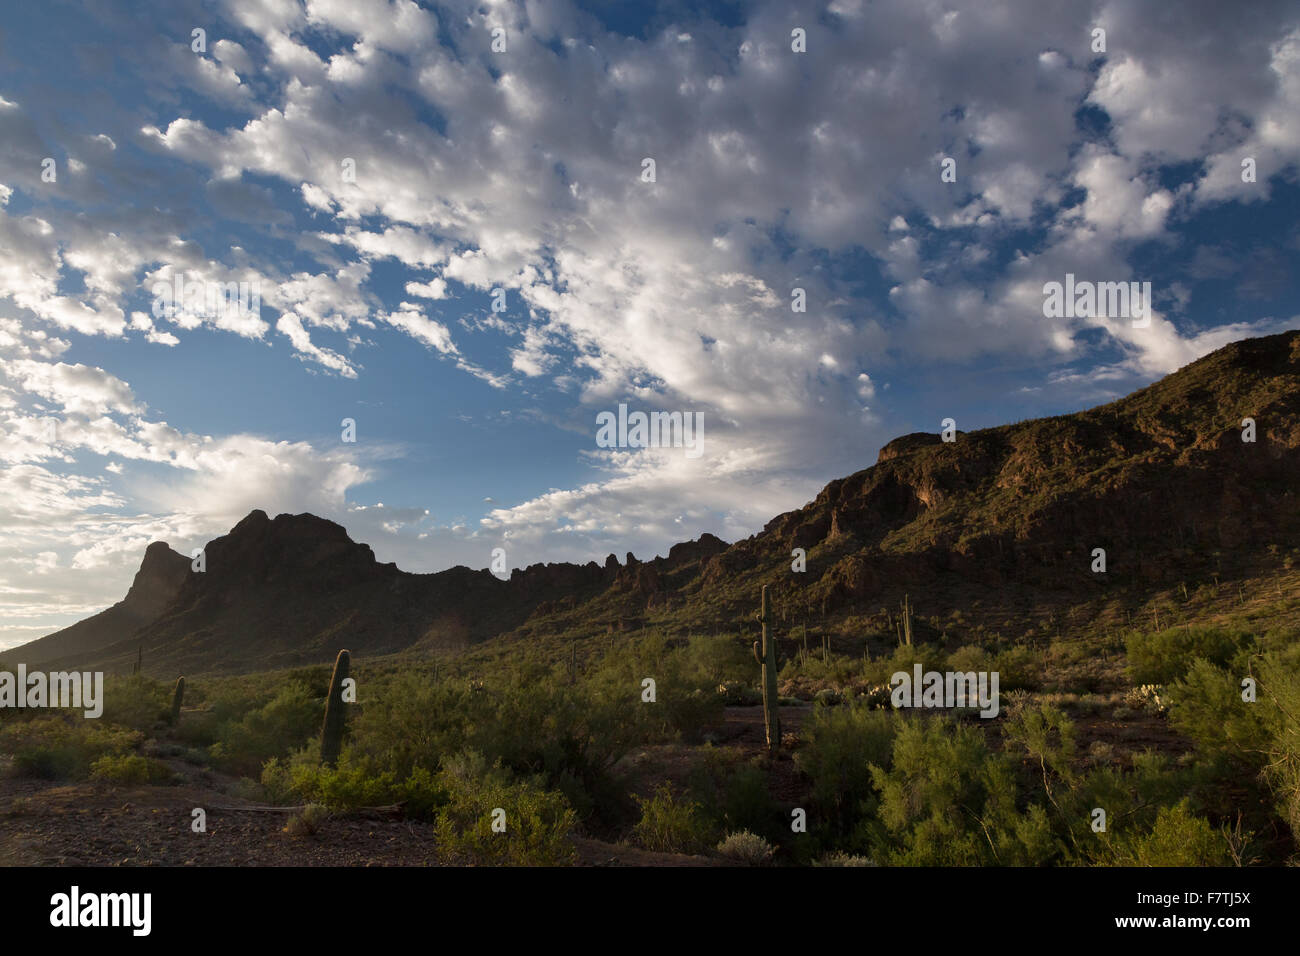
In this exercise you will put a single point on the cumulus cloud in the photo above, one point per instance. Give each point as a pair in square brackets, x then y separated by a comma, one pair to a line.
[392, 172]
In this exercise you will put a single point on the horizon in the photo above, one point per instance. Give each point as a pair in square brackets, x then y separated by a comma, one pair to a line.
[457, 250]
[614, 554]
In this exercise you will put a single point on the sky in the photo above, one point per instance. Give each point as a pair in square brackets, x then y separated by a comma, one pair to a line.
[451, 237]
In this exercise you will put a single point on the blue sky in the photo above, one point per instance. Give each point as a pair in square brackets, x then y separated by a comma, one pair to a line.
[521, 170]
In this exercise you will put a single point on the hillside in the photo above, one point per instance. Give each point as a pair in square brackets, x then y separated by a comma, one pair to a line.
[992, 532]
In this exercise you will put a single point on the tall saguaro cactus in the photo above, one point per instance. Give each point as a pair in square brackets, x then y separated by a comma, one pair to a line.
[765, 654]
[331, 733]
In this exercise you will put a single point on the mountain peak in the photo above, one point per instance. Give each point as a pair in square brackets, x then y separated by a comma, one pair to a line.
[1165, 480]
[162, 572]
[254, 520]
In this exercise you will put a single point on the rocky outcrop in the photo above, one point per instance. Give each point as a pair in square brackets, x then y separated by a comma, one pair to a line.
[1161, 479]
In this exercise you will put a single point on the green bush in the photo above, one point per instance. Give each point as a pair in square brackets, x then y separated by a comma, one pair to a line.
[1166, 656]
[62, 747]
[291, 717]
[308, 821]
[733, 795]
[1178, 838]
[1279, 683]
[719, 660]
[130, 769]
[1018, 668]
[1206, 705]
[537, 821]
[136, 701]
[839, 747]
[355, 782]
[930, 793]
[669, 824]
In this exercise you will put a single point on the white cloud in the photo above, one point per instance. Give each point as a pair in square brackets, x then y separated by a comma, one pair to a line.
[290, 325]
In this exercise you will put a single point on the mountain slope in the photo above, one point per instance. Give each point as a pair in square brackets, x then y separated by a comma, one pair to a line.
[996, 530]
[156, 584]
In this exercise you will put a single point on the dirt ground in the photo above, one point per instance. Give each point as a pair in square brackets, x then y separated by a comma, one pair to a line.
[45, 823]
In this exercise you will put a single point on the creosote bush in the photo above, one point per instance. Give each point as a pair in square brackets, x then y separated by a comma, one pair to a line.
[63, 747]
[130, 769]
[670, 823]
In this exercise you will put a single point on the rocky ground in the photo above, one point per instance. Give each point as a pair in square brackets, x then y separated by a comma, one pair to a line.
[46, 823]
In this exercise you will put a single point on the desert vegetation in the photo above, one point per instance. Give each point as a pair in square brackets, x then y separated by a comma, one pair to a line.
[560, 738]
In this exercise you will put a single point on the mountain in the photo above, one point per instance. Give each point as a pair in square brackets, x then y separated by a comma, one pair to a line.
[995, 531]
[1162, 480]
[156, 584]
[289, 590]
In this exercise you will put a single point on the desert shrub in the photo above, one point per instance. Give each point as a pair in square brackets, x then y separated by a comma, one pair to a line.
[740, 693]
[816, 670]
[1046, 736]
[747, 802]
[1279, 682]
[1178, 838]
[903, 658]
[1018, 668]
[844, 859]
[876, 696]
[1026, 838]
[971, 658]
[1165, 656]
[746, 847]
[1146, 698]
[136, 701]
[130, 769]
[1251, 741]
[570, 736]
[1206, 705]
[719, 660]
[734, 795]
[409, 721]
[356, 781]
[669, 824]
[59, 747]
[839, 746]
[292, 716]
[928, 794]
[307, 821]
[686, 697]
[537, 821]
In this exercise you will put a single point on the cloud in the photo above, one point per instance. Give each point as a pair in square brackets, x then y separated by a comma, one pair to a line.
[357, 159]
[290, 325]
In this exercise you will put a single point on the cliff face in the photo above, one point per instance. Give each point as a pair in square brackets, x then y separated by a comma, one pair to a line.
[161, 574]
[156, 584]
[1150, 478]
[997, 523]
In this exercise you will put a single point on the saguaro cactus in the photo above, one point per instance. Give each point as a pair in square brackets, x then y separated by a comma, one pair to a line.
[331, 734]
[178, 695]
[765, 654]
